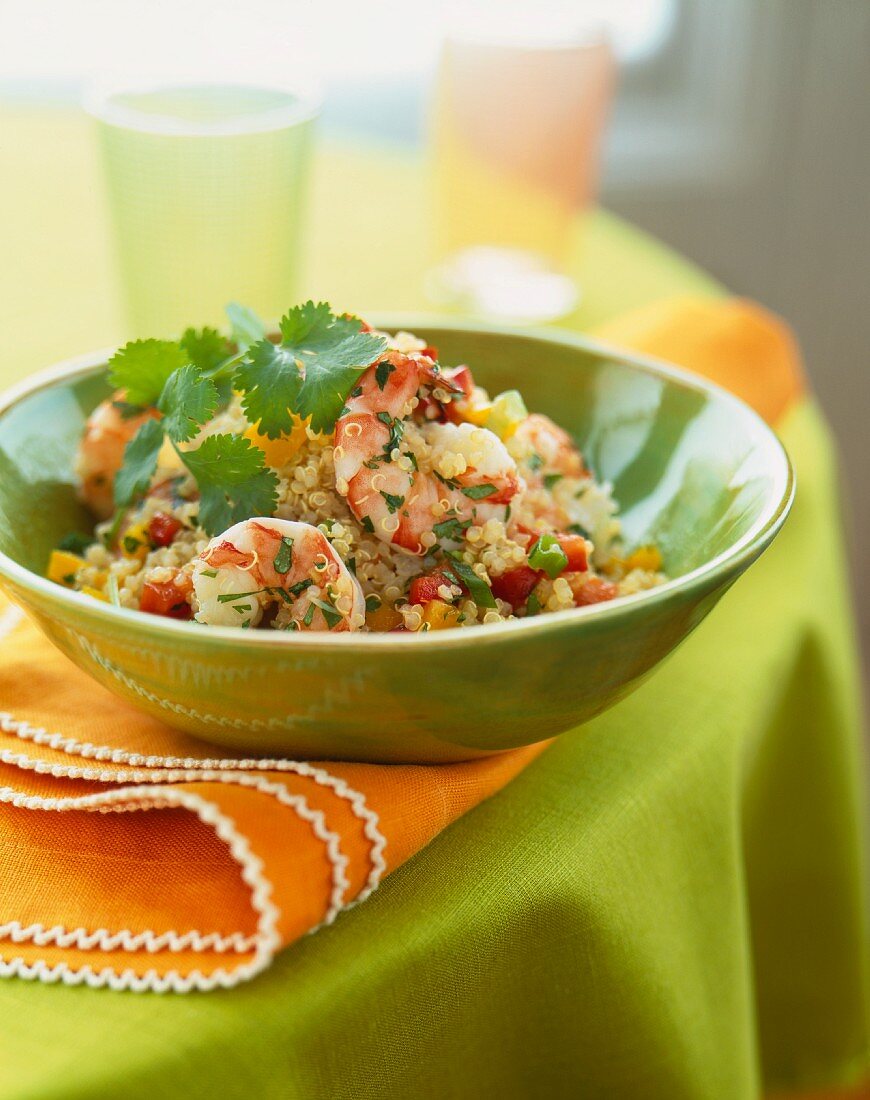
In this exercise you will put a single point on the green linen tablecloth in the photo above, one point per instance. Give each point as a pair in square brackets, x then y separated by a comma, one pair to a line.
[669, 903]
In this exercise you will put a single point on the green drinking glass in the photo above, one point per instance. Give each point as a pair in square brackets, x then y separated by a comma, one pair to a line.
[207, 188]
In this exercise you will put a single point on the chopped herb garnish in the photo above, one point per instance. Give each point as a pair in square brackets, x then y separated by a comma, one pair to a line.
[69, 578]
[478, 589]
[299, 586]
[507, 513]
[373, 603]
[208, 573]
[397, 431]
[448, 481]
[292, 625]
[382, 372]
[412, 457]
[552, 479]
[131, 544]
[366, 521]
[547, 554]
[394, 502]
[534, 461]
[284, 557]
[451, 529]
[111, 533]
[242, 609]
[373, 463]
[479, 492]
[579, 529]
[309, 615]
[333, 617]
[351, 564]
[231, 597]
[533, 605]
[74, 543]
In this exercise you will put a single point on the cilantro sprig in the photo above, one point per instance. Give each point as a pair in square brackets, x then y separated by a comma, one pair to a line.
[309, 373]
[181, 381]
[306, 373]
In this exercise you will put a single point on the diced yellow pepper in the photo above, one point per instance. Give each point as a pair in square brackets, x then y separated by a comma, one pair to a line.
[63, 566]
[645, 557]
[135, 543]
[440, 615]
[95, 593]
[477, 414]
[383, 619]
[279, 451]
[508, 412]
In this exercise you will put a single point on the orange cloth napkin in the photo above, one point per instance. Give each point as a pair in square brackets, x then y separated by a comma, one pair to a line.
[133, 856]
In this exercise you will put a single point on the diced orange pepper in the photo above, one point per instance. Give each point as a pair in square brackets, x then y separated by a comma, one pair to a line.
[279, 451]
[63, 566]
[440, 615]
[383, 619]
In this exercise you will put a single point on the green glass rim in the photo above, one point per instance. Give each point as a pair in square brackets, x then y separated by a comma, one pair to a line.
[97, 101]
[719, 568]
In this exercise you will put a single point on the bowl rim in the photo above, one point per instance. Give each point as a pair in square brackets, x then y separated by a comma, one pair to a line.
[729, 561]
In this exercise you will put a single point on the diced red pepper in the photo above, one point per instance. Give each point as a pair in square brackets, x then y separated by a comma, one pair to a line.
[166, 599]
[163, 528]
[574, 548]
[515, 585]
[430, 352]
[594, 590]
[425, 588]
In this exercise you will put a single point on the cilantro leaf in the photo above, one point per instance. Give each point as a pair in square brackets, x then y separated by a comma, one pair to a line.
[246, 327]
[140, 462]
[142, 367]
[270, 381]
[206, 348]
[234, 482]
[333, 353]
[309, 373]
[188, 400]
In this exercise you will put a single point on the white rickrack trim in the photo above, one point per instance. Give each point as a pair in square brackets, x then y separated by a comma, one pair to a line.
[267, 939]
[89, 751]
[102, 940]
[332, 841]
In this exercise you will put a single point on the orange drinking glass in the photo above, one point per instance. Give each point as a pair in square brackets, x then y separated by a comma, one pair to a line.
[517, 123]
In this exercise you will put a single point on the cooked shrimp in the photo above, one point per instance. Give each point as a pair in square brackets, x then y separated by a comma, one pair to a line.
[276, 565]
[542, 448]
[401, 478]
[101, 453]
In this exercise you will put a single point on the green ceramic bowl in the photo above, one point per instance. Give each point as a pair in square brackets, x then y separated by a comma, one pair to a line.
[694, 471]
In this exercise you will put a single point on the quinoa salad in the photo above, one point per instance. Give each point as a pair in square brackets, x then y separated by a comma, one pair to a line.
[331, 477]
